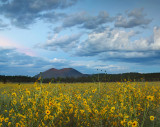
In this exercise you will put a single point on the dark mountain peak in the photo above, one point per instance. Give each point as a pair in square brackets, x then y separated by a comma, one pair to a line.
[67, 69]
[52, 69]
[63, 73]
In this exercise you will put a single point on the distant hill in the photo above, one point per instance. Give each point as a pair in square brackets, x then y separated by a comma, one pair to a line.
[63, 73]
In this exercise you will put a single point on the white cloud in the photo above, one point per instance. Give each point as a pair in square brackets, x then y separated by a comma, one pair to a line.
[156, 44]
[117, 40]
[56, 60]
[66, 42]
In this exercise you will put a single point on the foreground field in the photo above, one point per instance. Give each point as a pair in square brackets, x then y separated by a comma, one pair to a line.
[129, 104]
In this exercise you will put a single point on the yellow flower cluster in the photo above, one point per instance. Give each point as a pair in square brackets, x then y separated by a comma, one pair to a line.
[128, 104]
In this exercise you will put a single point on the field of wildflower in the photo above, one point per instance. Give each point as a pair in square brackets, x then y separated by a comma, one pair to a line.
[128, 104]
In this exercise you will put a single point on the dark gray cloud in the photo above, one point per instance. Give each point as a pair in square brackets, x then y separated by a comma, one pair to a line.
[25, 12]
[134, 18]
[16, 63]
[14, 58]
[52, 17]
[84, 20]
[138, 57]
[94, 22]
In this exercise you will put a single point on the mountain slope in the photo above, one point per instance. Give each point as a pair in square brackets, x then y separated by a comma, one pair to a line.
[63, 73]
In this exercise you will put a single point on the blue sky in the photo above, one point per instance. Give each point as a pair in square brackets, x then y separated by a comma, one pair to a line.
[115, 36]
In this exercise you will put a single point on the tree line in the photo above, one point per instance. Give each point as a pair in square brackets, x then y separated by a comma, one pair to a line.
[88, 78]
[17, 79]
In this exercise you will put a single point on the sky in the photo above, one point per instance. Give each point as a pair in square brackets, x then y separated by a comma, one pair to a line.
[113, 36]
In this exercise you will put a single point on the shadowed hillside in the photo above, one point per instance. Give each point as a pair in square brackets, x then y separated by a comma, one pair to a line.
[63, 73]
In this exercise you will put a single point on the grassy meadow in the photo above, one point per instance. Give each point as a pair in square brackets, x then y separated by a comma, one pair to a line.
[128, 104]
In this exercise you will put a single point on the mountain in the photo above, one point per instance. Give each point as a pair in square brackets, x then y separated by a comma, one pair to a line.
[63, 73]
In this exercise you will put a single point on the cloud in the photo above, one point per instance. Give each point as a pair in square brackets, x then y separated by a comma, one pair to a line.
[9, 58]
[108, 40]
[143, 58]
[3, 25]
[102, 18]
[134, 18]
[66, 43]
[16, 63]
[84, 20]
[94, 65]
[14, 58]
[56, 60]
[22, 13]
[115, 44]
[156, 44]
[52, 17]
[9, 44]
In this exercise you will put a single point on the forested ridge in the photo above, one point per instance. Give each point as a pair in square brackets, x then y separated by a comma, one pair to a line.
[88, 78]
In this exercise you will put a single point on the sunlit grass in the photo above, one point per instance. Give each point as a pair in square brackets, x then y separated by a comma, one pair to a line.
[127, 104]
